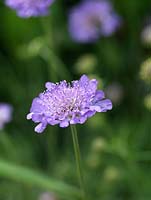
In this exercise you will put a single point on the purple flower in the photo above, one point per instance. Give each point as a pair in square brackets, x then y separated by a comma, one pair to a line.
[30, 8]
[64, 103]
[91, 19]
[5, 114]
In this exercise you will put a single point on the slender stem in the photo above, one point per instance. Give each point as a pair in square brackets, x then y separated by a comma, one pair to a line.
[47, 28]
[78, 159]
[46, 23]
[56, 66]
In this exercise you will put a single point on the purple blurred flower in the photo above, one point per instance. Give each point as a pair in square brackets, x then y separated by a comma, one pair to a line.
[64, 103]
[30, 8]
[91, 19]
[5, 114]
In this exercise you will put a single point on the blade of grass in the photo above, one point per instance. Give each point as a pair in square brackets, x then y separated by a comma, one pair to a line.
[33, 178]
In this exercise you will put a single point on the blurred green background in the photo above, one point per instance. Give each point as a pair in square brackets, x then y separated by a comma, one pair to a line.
[115, 146]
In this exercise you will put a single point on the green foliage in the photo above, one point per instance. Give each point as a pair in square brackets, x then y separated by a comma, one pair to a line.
[116, 146]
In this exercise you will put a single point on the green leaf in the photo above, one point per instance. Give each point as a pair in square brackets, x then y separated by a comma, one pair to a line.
[33, 178]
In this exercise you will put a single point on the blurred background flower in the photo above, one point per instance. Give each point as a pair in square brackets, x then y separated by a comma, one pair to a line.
[98, 144]
[145, 71]
[111, 174]
[115, 92]
[147, 102]
[47, 196]
[30, 8]
[86, 64]
[146, 35]
[91, 19]
[5, 114]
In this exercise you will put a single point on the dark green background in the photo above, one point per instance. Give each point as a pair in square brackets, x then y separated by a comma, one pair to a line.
[120, 169]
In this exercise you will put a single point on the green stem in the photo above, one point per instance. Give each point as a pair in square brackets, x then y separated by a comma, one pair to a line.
[47, 29]
[78, 159]
[46, 24]
[56, 66]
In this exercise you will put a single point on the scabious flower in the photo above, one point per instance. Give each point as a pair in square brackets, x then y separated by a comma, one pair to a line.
[64, 103]
[5, 114]
[91, 19]
[30, 8]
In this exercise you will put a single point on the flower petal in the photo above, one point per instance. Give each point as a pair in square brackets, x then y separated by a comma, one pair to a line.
[52, 121]
[40, 128]
[99, 95]
[64, 124]
[37, 117]
[29, 116]
[102, 106]
[50, 85]
[37, 105]
[84, 80]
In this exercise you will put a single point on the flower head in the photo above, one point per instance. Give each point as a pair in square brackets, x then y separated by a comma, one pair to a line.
[5, 114]
[91, 19]
[63, 103]
[30, 8]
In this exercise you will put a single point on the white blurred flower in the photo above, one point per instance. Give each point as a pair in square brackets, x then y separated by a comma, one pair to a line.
[145, 71]
[146, 35]
[47, 196]
[98, 144]
[86, 63]
[147, 102]
[111, 173]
